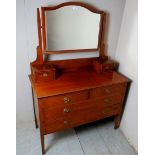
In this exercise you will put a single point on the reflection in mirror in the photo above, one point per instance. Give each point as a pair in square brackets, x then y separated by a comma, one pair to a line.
[71, 28]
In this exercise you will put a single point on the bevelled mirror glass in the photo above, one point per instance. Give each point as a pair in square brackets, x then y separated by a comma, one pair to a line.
[71, 28]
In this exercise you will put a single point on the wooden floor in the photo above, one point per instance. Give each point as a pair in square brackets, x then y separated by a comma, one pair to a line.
[97, 138]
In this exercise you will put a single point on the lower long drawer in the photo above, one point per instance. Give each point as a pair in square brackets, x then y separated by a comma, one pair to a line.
[79, 118]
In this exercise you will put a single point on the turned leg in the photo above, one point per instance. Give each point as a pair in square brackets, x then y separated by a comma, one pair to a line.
[42, 144]
[35, 118]
[117, 121]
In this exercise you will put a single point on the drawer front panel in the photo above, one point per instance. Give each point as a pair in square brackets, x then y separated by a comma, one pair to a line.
[65, 99]
[65, 111]
[56, 126]
[108, 90]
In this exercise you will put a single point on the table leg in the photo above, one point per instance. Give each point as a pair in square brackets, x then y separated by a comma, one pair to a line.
[35, 118]
[42, 143]
[117, 121]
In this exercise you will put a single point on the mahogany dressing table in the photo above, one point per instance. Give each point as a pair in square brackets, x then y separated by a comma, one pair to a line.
[69, 93]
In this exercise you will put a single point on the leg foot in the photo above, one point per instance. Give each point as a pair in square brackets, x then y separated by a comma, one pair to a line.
[42, 144]
[117, 122]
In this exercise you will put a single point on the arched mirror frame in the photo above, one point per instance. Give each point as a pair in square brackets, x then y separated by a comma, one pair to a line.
[41, 48]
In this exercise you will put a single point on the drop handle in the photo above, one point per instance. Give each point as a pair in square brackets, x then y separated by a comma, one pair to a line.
[66, 99]
[66, 110]
[45, 74]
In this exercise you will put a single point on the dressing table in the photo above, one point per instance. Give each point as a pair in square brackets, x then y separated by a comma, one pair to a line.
[73, 92]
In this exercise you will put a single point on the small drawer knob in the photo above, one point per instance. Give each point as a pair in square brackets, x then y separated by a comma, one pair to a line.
[44, 74]
[66, 110]
[66, 99]
[107, 90]
[66, 122]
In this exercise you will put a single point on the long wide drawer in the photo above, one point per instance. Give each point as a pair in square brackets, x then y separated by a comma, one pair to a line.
[64, 99]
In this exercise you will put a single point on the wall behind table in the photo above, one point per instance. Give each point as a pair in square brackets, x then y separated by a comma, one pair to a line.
[127, 56]
[27, 42]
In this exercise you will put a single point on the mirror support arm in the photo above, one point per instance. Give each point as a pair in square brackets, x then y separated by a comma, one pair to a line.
[39, 59]
[102, 44]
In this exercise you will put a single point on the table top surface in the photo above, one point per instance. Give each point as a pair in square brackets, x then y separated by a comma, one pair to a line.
[76, 81]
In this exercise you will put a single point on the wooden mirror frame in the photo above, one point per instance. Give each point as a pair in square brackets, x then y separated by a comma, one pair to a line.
[41, 48]
[90, 8]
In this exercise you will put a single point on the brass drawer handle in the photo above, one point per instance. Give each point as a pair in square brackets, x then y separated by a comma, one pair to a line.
[44, 74]
[107, 90]
[66, 122]
[66, 110]
[106, 100]
[66, 99]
